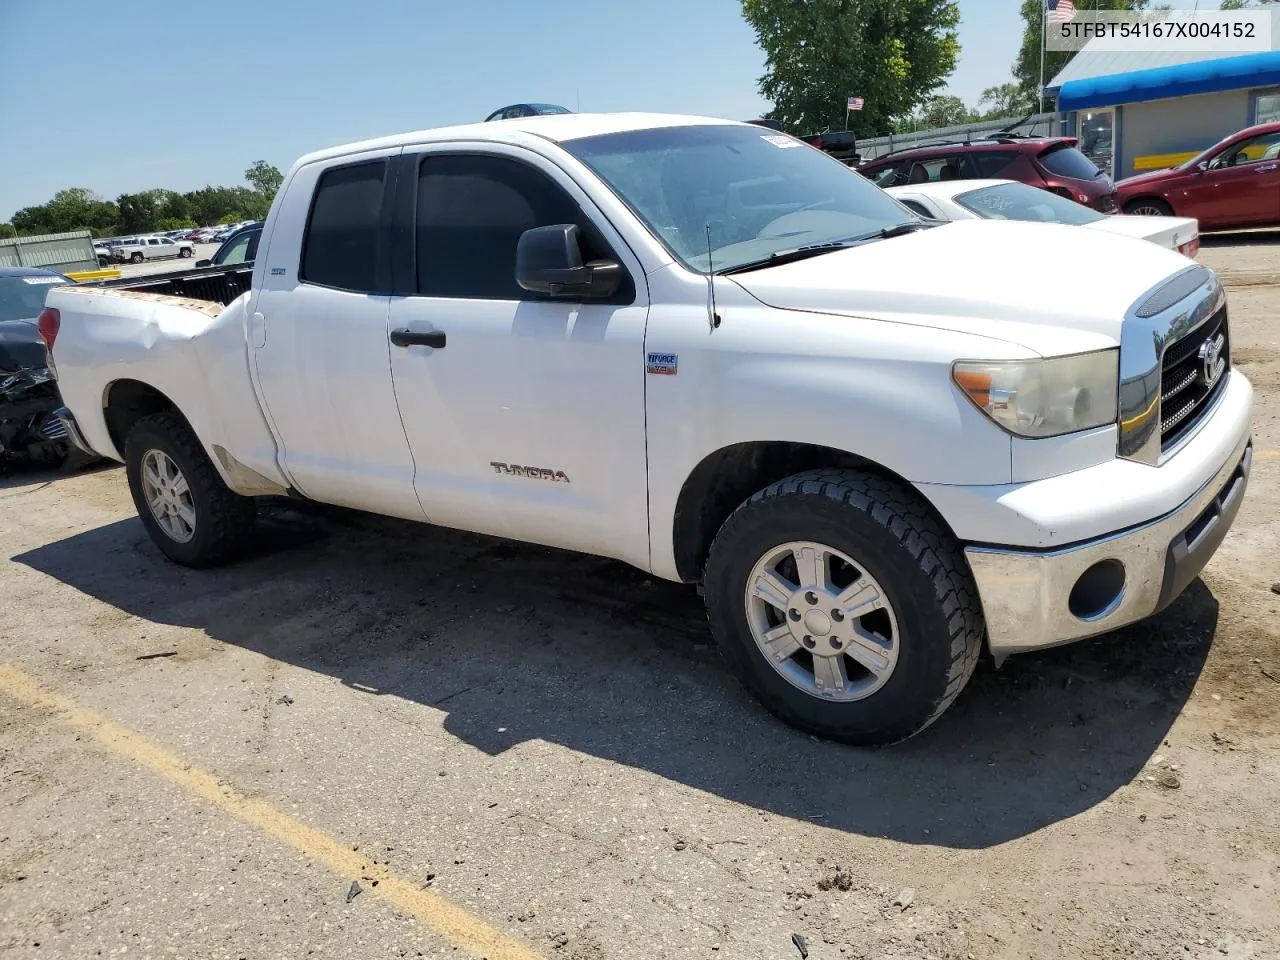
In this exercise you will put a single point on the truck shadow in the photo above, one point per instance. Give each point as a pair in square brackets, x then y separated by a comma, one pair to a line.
[517, 642]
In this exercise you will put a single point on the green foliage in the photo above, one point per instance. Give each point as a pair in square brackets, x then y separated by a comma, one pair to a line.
[1026, 68]
[7, 230]
[938, 111]
[265, 178]
[818, 53]
[74, 209]
[1005, 100]
[150, 210]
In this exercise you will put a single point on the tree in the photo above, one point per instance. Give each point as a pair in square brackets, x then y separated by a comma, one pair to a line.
[892, 53]
[165, 224]
[76, 208]
[265, 178]
[137, 212]
[7, 230]
[1026, 68]
[1005, 100]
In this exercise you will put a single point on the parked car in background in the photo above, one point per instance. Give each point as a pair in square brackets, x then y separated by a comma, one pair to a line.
[1010, 200]
[224, 231]
[103, 252]
[516, 110]
[153, 248]
[28, 392]
[240, 247]
[841, 144]
[202, 235]
[1235, 183]
[882, 446]
[1050, 163]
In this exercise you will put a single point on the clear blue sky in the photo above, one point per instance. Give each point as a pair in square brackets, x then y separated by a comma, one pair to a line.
[120, 97]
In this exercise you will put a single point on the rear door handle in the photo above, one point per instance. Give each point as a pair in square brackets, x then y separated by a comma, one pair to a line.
[410, 338]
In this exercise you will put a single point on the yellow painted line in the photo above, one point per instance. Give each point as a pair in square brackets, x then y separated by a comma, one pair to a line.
[81, 275]
[432, 910]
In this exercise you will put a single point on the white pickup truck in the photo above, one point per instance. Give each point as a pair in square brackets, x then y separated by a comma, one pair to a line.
[880, 445]
[153, 248]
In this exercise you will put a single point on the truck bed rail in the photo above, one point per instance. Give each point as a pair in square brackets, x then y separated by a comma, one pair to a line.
[217, 284]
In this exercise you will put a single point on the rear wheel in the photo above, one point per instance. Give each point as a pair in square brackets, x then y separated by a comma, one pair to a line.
[844, 606]
[1148, 207]
[191, 515]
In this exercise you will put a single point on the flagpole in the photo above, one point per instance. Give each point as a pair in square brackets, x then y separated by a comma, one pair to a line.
[1044, 29]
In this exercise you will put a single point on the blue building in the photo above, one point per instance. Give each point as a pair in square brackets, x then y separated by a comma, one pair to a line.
[1137, 111]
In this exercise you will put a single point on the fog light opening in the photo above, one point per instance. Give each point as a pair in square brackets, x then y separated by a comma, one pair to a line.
[1098, 591]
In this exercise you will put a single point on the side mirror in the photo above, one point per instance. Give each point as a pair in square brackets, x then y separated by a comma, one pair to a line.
[549, 260]
[1202, 166]
[204, 263]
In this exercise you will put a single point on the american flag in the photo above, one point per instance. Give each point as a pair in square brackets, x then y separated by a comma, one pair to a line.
[1061, 11]
[855, 103]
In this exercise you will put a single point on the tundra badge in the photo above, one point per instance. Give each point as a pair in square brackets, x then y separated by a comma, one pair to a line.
[533, 473]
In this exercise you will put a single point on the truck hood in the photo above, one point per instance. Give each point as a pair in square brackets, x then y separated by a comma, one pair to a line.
[1048, 287]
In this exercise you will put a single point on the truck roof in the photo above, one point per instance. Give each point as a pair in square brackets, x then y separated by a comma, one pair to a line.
[559, 128]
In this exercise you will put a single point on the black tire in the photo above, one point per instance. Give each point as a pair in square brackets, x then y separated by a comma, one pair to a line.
[1154, 207]
[900, 543]
[135, 258]
[224, 520]
[184, 252]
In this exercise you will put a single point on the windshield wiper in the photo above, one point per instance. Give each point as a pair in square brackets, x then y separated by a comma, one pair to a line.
[817, 249]
[786, 256]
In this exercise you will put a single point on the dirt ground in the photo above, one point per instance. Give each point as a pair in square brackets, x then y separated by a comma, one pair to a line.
[514, 752]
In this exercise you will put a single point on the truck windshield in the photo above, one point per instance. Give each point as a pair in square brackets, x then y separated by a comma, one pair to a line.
[739, 193]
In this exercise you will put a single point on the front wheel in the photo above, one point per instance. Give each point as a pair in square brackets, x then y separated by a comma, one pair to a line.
[135, 258]
[191, 515]
[1149, 207]
[184, 252]
[845, 606]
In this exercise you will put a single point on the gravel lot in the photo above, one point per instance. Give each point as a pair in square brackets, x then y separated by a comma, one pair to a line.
[518, 752]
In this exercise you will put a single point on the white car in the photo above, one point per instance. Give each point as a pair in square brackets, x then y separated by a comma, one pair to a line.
[153, 248]
[1010, 200]
[881, 445]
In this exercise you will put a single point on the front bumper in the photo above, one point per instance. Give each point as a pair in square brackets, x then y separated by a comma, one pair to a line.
[1036, 599]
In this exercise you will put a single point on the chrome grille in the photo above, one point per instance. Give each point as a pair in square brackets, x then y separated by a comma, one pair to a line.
[1185, 392]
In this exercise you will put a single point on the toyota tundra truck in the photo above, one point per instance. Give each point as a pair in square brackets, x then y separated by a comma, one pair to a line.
[880, 445]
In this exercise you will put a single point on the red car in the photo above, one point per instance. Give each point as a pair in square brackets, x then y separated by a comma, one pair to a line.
[1235, 183]
[1051, 163]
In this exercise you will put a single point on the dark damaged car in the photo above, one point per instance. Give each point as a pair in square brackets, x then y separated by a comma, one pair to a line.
[29, 430]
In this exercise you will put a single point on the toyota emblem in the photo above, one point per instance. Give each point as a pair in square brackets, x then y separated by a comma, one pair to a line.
[1212, 363]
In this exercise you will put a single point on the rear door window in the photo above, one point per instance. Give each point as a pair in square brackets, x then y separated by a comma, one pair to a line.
[988, 164]
[1067, 161]
[340, 248]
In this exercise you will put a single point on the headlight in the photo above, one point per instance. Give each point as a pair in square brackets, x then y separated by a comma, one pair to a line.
[1044, 398]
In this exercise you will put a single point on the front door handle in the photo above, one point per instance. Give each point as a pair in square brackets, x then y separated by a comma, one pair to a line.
[408, 338]
[1267, 169]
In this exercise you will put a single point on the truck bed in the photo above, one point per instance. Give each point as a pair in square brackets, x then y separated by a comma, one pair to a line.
[212, 284]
